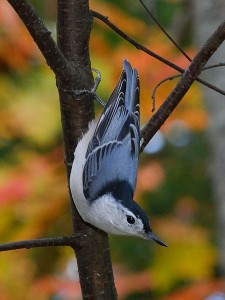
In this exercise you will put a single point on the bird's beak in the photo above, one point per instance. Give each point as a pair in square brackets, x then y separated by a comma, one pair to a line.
[152, 236]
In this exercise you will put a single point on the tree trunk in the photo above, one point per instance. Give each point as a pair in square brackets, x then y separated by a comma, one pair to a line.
[74, 23]
[207, 15]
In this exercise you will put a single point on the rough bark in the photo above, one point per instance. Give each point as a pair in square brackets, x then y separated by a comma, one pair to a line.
[74, 23]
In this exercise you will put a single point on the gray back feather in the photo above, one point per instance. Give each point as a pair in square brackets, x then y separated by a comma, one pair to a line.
[113, 151]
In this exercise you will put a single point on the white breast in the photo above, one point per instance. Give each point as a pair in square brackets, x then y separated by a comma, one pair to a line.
[76, 176]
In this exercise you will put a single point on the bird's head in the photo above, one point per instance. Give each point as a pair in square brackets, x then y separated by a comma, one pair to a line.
[122, 217]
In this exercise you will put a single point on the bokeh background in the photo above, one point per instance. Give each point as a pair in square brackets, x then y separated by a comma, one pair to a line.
[173, 182]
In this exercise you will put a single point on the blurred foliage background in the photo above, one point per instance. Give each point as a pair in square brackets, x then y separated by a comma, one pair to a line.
[173, 185]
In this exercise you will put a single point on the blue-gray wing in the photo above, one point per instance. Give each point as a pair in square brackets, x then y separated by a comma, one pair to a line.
[113, 152]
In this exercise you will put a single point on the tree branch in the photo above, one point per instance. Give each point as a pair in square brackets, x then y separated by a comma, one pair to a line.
[42, 37]
[133, 42]
[44, 242]
[177, 76]
[74, 23]
[158, 85]
[149, 52]
[188, 77]
[164, 31]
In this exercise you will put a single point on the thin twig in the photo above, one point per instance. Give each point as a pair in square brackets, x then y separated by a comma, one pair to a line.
[44, 242]
[149, 52]
[164, 31]
[133, 42]
[214, 66]
[175, 43]
[189, 76]
[158, 85]
[177, 76]
[184, 53]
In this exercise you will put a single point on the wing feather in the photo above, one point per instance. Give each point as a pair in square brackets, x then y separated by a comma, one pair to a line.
[113, 151]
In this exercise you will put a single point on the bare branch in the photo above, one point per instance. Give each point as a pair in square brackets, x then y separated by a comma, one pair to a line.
[133, 42]
[214, 66]
[158, 85]
[211, 86]
[149, 52]
[44, 242]
[42, 37]
[177, 76]
[183, 85]
[164, 31]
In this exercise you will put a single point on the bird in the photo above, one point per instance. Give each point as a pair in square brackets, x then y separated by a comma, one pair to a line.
[104, 170]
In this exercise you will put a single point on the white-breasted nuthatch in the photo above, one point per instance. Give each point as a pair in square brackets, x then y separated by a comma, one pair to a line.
[104, 172]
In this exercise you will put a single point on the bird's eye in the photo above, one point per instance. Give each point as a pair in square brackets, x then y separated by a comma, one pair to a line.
[130, 219]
